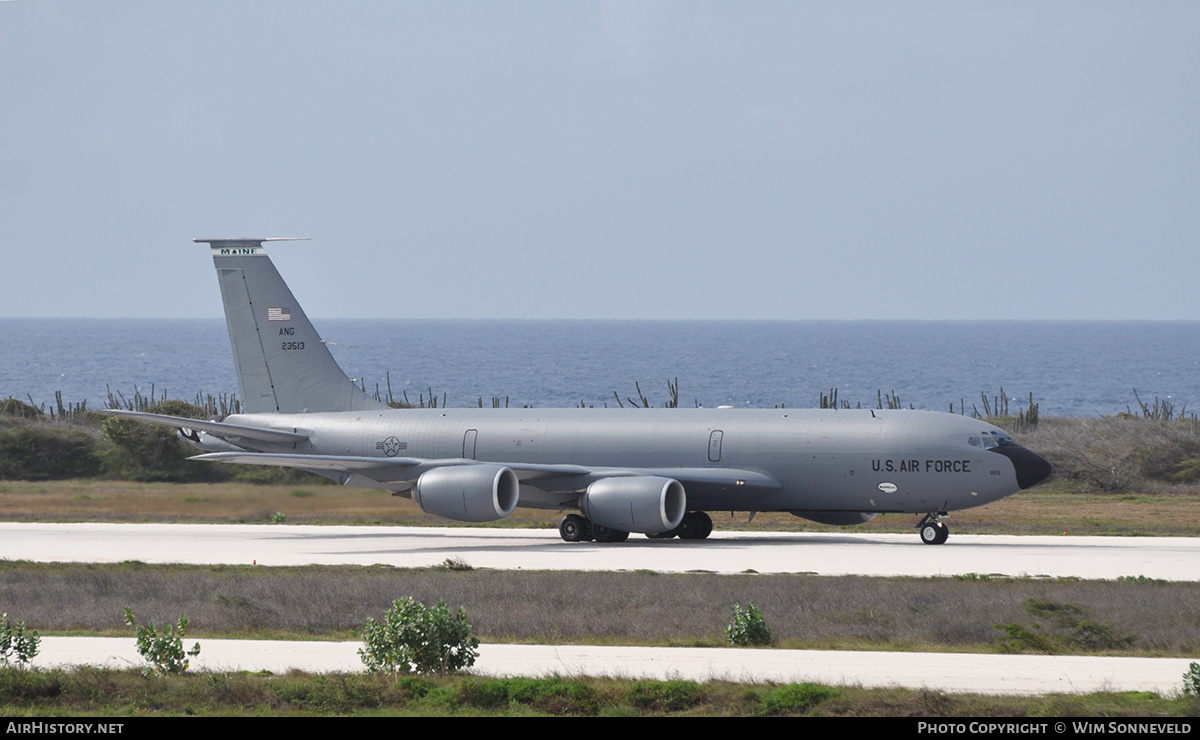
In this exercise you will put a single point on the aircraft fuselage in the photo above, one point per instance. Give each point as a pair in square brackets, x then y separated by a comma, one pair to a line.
[824, 460]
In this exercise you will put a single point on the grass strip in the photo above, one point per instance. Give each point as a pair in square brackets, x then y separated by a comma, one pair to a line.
[1134, 616]
[102, 692]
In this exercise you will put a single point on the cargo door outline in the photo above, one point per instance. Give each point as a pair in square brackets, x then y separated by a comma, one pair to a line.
[469, 443]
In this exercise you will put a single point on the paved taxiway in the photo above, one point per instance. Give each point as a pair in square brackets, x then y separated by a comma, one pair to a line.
[840, 553]
[989, 674]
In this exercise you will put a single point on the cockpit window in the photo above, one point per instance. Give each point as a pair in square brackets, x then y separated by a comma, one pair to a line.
[991, 440]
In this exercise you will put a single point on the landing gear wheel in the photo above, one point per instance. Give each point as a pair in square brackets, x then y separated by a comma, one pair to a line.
[934, 533]
[574, 528]
[696, 525]
[688, 527]
[602, 533]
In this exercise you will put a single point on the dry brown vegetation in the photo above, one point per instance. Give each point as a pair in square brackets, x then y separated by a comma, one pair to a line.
[1122, 453]
[578, 607]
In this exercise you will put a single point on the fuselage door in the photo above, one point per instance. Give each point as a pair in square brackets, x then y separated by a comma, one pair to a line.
[469, 444]
[714, 446]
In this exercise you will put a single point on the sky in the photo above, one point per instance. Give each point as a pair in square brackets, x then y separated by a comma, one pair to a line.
[608, 160]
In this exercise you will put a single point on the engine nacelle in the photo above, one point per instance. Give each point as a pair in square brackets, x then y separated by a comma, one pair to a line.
[468, 493]
[839, 518]
[642, 503]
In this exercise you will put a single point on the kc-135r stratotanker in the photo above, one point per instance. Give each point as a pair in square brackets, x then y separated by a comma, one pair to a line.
[653, 471]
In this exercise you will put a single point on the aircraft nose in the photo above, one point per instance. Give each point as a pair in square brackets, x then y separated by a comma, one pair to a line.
[1031, 467]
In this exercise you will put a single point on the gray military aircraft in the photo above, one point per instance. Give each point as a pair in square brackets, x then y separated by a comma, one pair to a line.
[653, 471]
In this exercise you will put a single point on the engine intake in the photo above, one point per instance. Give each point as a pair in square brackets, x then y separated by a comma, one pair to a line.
[468, 493]
[646, 504]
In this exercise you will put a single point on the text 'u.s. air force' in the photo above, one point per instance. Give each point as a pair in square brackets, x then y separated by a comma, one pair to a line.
[921, 466]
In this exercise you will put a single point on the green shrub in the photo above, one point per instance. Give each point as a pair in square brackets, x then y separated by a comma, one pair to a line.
[143, 451]
[36, 450]
[17, 645]
[150, 452]
[665, 696]
[1018, 639]
[1091, 635]
[1191, 680]
[551, 695]
[163, 651]
[748, 627]
[456, 564]
[1071, 630]
[420, 639]
[1173, 460]
[795, 697]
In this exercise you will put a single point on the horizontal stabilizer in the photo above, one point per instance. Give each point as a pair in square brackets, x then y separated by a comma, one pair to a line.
[215, 428]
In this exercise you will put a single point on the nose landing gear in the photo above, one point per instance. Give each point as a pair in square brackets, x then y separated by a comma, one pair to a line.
[933, 530]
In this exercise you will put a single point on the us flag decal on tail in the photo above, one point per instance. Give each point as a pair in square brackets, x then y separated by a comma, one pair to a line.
[279, 314]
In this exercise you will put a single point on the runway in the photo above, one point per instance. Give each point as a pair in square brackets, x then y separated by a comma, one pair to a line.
[953, 672]
[841, 553]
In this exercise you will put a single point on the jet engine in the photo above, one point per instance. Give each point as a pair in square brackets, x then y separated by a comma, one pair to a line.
[643, 503]
[468, 493]
[839, 518]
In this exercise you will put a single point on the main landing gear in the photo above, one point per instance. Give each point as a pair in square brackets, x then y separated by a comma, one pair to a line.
[575, 528]
[696, 525]
[933, 530]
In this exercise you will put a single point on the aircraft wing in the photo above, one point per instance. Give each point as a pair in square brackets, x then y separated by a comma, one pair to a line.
[215, 428]
[375, 472]
[750, 479]
[379, 469]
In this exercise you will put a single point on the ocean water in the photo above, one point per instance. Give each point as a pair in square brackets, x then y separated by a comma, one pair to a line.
[1071, 367]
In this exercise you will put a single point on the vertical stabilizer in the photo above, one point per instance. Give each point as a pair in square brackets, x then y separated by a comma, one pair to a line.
[282, 364]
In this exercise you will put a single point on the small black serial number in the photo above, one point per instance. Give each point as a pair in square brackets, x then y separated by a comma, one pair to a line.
[292, 345]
